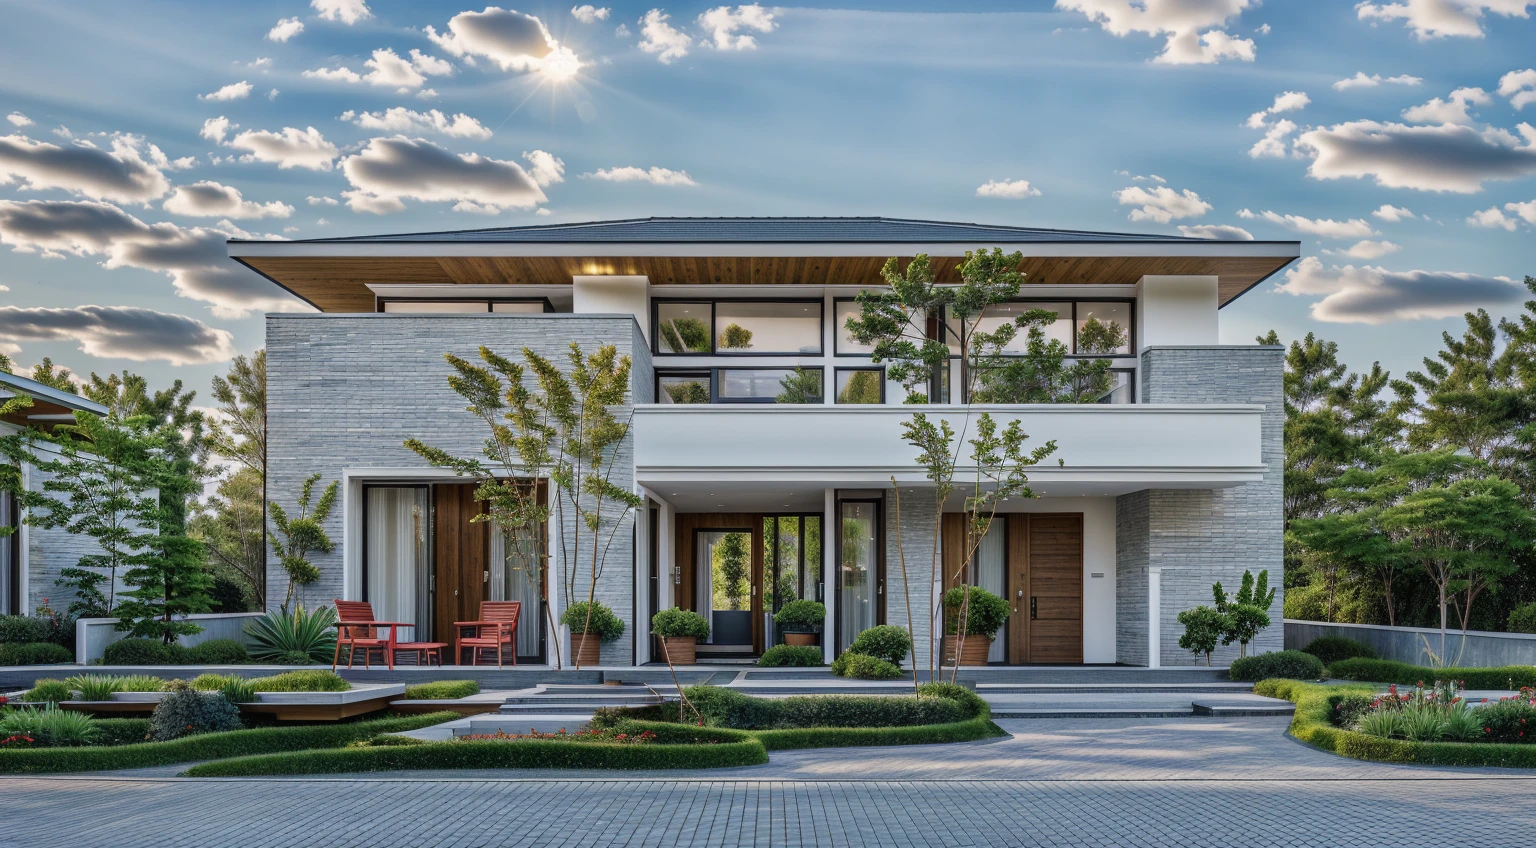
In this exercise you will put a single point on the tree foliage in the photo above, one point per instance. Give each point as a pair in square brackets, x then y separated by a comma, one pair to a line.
[294, 539]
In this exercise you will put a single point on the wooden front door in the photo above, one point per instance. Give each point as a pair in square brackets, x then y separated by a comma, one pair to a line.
[1045, 580]
[461, 551]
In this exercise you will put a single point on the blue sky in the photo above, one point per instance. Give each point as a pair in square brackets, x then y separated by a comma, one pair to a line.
[118, 180]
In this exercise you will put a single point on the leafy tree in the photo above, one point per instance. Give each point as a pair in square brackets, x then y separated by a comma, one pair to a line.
[170, 414]
[862, 387]
[240, 432]
[735, 337]
[1247, 613]
[294, 539]
[800, 386]
[6, 364]
[169, 575]
[229, 524]
[682, 335]
[55, 378]
[731, 560]
[15, 450]
[1043, 373]
[1203, 628]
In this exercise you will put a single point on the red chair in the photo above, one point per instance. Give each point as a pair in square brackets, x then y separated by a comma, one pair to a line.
[357, 629]
[496, 629]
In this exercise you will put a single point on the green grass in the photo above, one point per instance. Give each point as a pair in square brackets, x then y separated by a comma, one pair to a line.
[1406, 674]
[209, 746]
[1311, 725]
[301, 681]
[442, 690]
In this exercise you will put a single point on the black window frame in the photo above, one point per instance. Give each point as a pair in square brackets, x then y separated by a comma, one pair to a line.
[714, 383]
[837, 370]
[837, 586]
[12, 541]
[1130, 330]
[714, 336]
[379, 301]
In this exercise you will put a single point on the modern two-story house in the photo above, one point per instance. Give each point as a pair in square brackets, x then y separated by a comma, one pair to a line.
[1169, 480]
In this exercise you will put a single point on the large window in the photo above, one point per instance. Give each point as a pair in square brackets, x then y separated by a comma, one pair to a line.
[397, 556]
[791, 560]
[860, 581]
[1084, 327]
[844, 344]
[739, 385]
[738, 327]
[449, 306]
[860, 385]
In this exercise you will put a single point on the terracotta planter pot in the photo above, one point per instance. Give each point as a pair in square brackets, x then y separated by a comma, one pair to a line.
[586, 649]
[681, 649]
[800, 639]
[974, 652]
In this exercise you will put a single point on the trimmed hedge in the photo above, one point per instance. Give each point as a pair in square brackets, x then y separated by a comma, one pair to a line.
[1311, 725]
[1407, 674]
[218, 652]
[1331, 649]
[210, 746]
[969, 730]
[442, 690]
[799, 656]
[122, 731]
[35, 653]
[143, 652]
[1292, 665]
[864, 667]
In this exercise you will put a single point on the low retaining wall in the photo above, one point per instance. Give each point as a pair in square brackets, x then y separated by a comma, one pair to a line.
[93, 635]
[1479, 648]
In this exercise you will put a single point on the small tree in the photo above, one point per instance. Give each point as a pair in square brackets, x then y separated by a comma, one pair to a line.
[1203, 628]
[294, 539]
[800, 386]
[1247, 613]
[731, 560]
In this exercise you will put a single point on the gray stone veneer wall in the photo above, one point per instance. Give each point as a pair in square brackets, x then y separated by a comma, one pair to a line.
[917, 539]
[345, 391]
[49, 552]
[1198, 536]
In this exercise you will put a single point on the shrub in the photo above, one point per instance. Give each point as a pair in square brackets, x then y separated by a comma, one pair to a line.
[442, 690]
[984, 614]
[1203, 627]
[801, 616]
[791, 655]
[601, 622]
[140, 683]
[122, 731]
[1293, 665]
[302, 681]
[94, 687]
[50, 727]
[35, 653]
[1510, 722]
[286, 637]
[1331, 649]
[234, 688]
[20, 629]
[728, 708]
[48, 691]
[676, 622]
[884, 642]
[1406, 674]
[143, 652]
[218, 652]
[1345, 710]
[1522, 619]
[864, 667]
[185, 711]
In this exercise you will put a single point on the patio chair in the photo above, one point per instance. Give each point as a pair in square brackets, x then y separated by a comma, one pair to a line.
[357, 630]
[496, 629]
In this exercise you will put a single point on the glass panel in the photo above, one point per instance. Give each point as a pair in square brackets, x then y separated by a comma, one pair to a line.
[682, 328]
[517, 575]
[524, 306]
[748, 327]
[1121, 390]
[766, 384]
[683, 388]
[786, 559]
[8, 603]
[1005, 313]
[397, 561]
[857, 601]
[812, 587]
[434, 306]
[724, 567]
[991, 574]
[1103, 328]
[859, 385]
[842, 310]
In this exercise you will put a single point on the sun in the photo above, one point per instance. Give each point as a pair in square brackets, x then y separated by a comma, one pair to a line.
[560, 65]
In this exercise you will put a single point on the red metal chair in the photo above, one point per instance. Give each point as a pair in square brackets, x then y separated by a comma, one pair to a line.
[496, 629]
[357, 629]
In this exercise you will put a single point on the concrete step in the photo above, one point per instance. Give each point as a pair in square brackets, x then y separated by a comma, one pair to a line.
[986, 689]
[1218, 708]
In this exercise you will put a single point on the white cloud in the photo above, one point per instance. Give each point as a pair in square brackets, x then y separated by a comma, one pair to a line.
[1442, 18]
[195, 258]
[272, 95]
[62, 132]
[119, 174]
[208, 199]
[1273, 142]
[390, 170]
[655, 176]
[621, 31]
[387, 67]
[233, 91]
[1323, 227]
[1152, 178]
[1181, 20]
[1374, 295]
[401, 119]
[1360, 80]
[545, 168]
[1451, 111]
[1367, 249]
[120, 332]
[263, 62]
[1388, 212]
[1494, 217]
[346, 11]
[1012, 189]
[1519, 87]
[723, 26]
[1449, 157]
[1161, 204]
[291, 148]
[1220, 232]
[321, 201]
[215, 129]
[659, 37]
[19, 119]
[587, 13]
[1264, 30]
[1289, 101]
[1275, 134]
[286, 28]
[513, 40]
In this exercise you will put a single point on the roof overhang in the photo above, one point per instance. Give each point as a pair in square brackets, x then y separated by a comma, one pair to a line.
[50, 406]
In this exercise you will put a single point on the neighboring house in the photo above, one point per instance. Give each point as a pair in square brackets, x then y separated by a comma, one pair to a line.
[1171, 482]
[31, 558]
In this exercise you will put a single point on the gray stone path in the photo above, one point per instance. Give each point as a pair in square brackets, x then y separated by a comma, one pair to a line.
[1155, 782]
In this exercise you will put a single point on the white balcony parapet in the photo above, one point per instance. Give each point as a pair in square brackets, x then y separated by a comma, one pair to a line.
[1106, 448]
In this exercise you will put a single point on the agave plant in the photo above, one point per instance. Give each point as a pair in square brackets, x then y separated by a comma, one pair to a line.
[284, 637]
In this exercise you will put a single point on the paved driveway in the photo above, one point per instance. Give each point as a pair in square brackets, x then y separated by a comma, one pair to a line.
[1149, 782]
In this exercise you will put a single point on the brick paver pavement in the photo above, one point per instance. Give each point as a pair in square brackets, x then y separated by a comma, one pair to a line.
[1170, 782]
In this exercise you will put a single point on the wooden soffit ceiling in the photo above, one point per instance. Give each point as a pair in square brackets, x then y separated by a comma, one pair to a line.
[339, 284]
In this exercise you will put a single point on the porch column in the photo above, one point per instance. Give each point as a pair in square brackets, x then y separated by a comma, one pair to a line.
[642, 579]
[613, 294]
[829, 572]
[1154, 617]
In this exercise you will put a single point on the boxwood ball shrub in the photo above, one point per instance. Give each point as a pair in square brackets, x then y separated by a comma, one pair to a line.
[801, 616]
[674, 622]
[884, 642]
[35, 653]
[143, 652]
[1331, 649]
[218, 652]
[602, 623]
[185, 711]
[1293, 665]
[48, 691]
[864, 667]
[984, 615]
[802, 656]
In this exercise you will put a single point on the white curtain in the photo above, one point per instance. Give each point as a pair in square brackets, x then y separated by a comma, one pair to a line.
[515, 576]
[857, 597]
[397, 558]
[992, 574]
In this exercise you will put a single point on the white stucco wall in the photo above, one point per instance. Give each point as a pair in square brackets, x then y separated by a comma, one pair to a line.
[612, 295]
[1178, 311]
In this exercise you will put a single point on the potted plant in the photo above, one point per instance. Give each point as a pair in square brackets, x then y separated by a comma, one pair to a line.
[592, 626]
[984, 616]
[800, 621]
[680, 631]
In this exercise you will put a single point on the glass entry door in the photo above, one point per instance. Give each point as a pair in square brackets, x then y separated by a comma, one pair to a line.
[724, 568]
[860, 570]
[791, 563]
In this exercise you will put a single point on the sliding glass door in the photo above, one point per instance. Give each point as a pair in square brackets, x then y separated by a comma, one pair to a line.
[517, 574]
[397, 564]
[860, 571]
